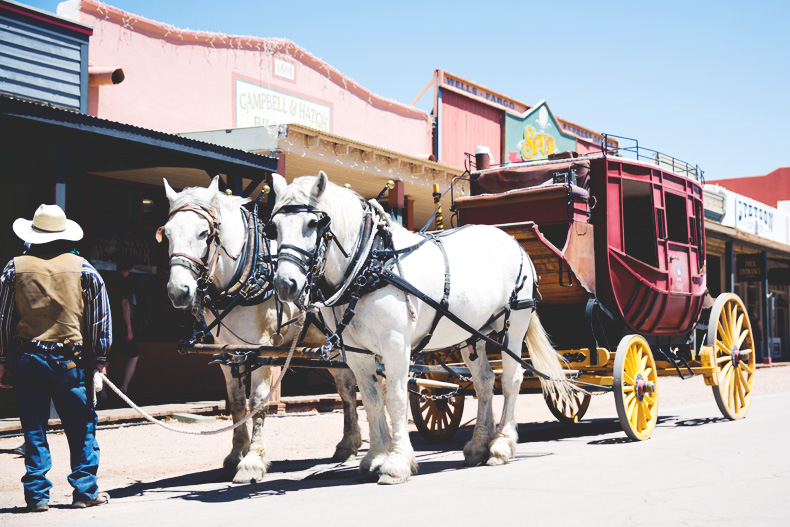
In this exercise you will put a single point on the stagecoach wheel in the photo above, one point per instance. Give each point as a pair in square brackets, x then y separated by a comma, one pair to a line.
[437, 419]
[730, 335]
[565, 413]
[635, 387]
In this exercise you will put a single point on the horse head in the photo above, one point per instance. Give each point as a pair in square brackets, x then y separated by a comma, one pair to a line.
[195, 235]
[311, 212]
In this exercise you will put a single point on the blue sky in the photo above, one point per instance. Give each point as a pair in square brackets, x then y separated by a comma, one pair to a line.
[705, 81]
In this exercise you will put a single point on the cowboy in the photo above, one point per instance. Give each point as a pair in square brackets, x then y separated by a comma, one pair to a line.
[53, 310]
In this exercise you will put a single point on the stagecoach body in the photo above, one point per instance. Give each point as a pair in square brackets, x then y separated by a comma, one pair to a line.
[626, 233]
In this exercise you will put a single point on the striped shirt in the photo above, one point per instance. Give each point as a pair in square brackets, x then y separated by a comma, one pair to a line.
[98, 320]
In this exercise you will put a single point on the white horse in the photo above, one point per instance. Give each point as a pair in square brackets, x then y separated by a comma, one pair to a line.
[485, 264]
[189, 229]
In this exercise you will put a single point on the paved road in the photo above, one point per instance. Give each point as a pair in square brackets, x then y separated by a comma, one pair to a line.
[697, 469]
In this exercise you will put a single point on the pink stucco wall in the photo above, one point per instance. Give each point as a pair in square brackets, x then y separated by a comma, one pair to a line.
[182, 81]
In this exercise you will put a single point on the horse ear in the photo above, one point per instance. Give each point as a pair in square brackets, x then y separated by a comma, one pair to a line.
[214, 187]
[169, 192]
[319, 186]
[279, 184]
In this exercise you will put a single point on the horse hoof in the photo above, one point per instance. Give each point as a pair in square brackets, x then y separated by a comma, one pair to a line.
[341, 456]
[386, 479]
[367, 476]
[496, 461]
[474, 460]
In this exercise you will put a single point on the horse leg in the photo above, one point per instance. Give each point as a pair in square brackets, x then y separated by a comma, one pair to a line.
[400, 462]
[346, 384]
[476, 450]
[364, 368]
[254, 465]
[237, 400]
[503, 446]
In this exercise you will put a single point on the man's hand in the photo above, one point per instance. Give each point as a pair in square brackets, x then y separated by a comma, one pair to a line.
[2, 375]
[101, 367]
[129, 334]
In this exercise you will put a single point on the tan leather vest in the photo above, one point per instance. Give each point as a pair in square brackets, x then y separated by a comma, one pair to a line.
[48, 296]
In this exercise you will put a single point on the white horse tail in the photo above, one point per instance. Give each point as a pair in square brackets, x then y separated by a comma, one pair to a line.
[548, 362]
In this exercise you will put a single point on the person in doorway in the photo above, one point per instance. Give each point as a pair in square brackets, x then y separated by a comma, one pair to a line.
[121, 293]
[54, 310]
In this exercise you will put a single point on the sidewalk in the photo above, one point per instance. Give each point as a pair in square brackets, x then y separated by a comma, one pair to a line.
[286, 405]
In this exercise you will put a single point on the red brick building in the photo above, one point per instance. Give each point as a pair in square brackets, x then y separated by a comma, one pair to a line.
[769, 189]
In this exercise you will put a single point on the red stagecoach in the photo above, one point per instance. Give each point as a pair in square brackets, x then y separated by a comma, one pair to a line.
[618, 242]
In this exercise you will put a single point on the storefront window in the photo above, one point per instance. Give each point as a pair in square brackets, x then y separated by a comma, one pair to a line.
[122, 218]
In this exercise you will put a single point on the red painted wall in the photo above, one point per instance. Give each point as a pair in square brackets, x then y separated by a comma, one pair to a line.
[465, 124]
[768, 189]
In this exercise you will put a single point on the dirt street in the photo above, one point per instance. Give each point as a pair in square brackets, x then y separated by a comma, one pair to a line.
[144, 456]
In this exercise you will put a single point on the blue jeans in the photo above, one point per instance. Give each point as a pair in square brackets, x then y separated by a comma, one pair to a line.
[51, 375]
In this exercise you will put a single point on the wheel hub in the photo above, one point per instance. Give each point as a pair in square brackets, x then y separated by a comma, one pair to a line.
[736, 356]
[643, 386]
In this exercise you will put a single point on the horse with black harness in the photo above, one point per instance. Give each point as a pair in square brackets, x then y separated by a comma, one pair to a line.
[387, 267]
[230, 293]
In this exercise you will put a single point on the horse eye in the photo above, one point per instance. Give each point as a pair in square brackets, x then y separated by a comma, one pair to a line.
[312, 224]
[203, 235]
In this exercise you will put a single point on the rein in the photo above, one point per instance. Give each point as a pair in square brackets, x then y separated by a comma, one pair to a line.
[373, 272]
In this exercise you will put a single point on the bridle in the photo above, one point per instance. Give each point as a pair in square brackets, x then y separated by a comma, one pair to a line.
[203, 268]
[311, 263]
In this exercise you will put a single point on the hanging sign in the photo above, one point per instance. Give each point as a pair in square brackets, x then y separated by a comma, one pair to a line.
[750, 267]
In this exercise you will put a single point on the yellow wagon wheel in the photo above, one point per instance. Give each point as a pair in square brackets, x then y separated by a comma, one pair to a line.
[565, 413]
[730, 334]
[436, 412]
[635, 387]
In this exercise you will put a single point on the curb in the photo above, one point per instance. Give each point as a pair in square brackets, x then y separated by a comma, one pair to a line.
[112, 416]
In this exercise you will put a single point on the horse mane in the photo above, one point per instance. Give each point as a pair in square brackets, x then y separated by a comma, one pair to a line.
[216, 202]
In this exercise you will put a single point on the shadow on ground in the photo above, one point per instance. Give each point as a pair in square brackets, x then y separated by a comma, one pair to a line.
[306, 474]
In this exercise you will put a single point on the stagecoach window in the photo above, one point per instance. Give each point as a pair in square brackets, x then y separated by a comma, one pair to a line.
[639, 232]
[677, 218]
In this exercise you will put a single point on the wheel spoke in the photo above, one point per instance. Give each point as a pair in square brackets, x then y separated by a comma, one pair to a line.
[627, 377]
[725, 358]
[724, 335]
[629, 367]
[747, 367]
[744, 382]
[633, 415]
[721, 347]
[741, 338]
[641, 420]
[741, 402]
[738, 323]
[648, 413]
[643, 363]
[628, 388]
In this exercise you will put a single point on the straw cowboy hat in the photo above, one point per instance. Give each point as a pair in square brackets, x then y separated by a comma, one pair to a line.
[49, 223]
